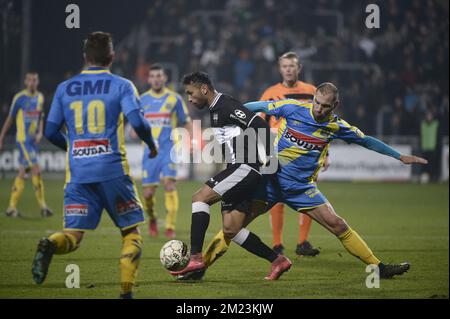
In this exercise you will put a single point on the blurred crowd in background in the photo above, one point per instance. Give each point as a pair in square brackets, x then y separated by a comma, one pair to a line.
[401, 68]
[393, 80]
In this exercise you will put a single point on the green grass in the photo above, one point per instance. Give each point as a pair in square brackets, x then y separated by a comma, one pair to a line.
[400, 222]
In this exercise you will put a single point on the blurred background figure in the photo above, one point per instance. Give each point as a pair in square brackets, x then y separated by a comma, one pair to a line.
[429, 144]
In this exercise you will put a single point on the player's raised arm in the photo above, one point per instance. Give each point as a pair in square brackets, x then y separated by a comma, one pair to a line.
[132, 110]
[55, 121]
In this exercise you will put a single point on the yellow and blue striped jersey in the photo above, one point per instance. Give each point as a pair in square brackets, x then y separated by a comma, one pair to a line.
[92, 105]
[164, 112]
[302, 142]
[27, 109]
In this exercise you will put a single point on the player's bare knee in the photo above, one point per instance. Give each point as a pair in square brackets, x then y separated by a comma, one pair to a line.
[35, 170]
[200, 196]
[338, 225]
[169, 185]
[21, 174]
[148, 192]
[229, 232]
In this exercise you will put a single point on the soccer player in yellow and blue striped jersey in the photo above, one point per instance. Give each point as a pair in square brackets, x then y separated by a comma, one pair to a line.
[27, 111]
[301, 146]
[92, 106]
[164, 110]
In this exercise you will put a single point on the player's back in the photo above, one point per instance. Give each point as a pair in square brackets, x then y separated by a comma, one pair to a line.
[92, 105]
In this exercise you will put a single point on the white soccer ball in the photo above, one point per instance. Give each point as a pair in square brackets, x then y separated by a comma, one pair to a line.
[174, 255]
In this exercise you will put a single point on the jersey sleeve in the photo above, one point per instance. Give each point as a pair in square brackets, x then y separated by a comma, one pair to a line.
[129, 100]
[349, 133]
[238, 115]
[15, 105]
[181, 111]
[282, 108]
[56, 113]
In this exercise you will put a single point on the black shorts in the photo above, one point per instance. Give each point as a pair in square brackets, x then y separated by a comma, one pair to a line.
[236, 184]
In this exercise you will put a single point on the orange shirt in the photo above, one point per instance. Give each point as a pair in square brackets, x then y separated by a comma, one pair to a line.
[300, 91]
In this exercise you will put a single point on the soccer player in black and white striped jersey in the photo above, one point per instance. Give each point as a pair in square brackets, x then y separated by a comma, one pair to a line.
[234, 185]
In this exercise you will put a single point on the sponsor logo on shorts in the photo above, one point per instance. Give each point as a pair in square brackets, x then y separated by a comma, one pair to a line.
[125, 207]
[312, 192]
[75, 210]
[303, 141]
[91, 148]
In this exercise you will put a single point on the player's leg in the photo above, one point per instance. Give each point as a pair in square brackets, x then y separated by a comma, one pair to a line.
[218, 246]
[263, 198]
[16, 193]
[236, 182]
[59, 243]
[150, 180]
[125, 209]
[169, 174]
[172, 204]
[304, 247]
[233, 229]
[130, 256]
[149, 194]
[82, 211]
[38, 186]
[201, 202]
[350, 239]
[277, 222]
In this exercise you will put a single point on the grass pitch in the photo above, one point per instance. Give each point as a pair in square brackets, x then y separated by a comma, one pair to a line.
[400, 222]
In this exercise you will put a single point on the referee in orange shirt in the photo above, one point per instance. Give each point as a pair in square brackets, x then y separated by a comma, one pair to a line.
[290, 88]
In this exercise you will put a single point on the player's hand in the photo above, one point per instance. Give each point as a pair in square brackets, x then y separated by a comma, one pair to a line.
[326, 164]
[38, 138]
[153, 152]
[411, 159]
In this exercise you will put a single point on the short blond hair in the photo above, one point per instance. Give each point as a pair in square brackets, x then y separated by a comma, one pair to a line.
[289, 55]
[329, 88]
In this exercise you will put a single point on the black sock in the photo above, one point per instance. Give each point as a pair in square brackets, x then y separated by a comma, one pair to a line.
[199, 225]
[255, 245]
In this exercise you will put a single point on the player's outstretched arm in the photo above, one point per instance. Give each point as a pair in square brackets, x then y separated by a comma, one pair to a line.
[378, 146]
[5, 128]
[143, 130]
[258, 106]
[53, 134]
[412, 159]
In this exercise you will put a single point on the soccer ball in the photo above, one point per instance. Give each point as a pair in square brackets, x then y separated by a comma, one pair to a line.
[174, 255]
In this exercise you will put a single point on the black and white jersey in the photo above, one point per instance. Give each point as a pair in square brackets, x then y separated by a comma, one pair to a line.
[230, 121]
